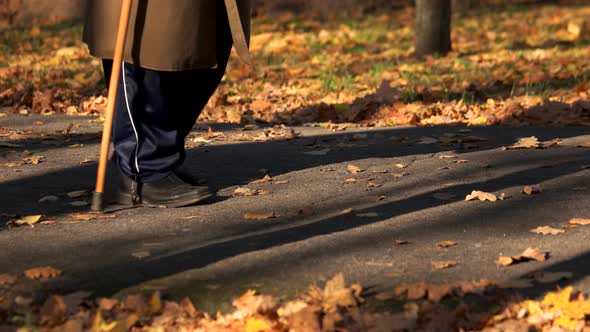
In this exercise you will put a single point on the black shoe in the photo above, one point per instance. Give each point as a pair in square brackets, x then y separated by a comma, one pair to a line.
[171, 191]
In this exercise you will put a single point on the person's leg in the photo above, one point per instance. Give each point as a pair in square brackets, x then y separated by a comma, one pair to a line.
[145, 137]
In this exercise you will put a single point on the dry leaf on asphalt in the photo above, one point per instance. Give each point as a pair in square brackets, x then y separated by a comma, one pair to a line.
[527, 255]
[354, 169]
[259, 216]
[265, 179]
[373, 185]
[532, 190]
[243, 191]
[482, 196]
[350, 180]
[444, 264]
[400, 165]
[318, 152]
[49, 199]
[28, 220]
[401, 242]
[580, 221]
[446, 244]
[141, 254]
[91, 216]
[8, 279]
[78, 193]
[547, 230]
[46, 272]
[526, 143]
[347, 211]
[400, 175]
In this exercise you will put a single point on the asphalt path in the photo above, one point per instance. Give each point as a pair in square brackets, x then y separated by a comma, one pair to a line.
[212, 253]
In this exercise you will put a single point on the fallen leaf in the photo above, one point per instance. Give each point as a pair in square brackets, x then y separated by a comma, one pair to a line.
[29, 220]
[446, 244]
[583, 145]
[347, 211]
[440, 265]
[526, 143]
[400, 175]
[265, 179]
[242, 191]
[318, 152]
[580, 221]
[141, 254]
[305, 213]
[34, 160]
[527, 255]
[354, 169]
[78, 193]
[400, 165]
[259, 216]
[8, 279]
[91, 216]
[547, 230]
[257, 324]
[373, 185]
[49, 199]
[401, 242]
[53, 311]
[350, 180]
[46, 272]
[482, 196]
[532, 190]
[447, 156]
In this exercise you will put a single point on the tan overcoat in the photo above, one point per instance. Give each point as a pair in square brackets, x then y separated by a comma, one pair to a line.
[166, 35]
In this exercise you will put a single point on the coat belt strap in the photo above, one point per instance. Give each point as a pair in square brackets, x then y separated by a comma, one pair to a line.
[237, 31]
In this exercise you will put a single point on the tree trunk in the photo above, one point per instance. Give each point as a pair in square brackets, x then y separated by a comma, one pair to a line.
[433, 27]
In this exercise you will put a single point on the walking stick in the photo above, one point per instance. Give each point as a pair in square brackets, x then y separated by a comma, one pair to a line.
[97, 197]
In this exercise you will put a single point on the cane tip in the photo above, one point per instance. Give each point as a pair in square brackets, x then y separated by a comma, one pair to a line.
[97, 202]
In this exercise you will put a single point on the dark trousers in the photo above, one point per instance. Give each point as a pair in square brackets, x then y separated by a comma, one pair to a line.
[154, 113]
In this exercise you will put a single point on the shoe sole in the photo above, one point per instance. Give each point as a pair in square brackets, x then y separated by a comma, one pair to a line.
[125, 199]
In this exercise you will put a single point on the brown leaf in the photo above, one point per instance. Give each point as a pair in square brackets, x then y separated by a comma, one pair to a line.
[265, 179]
[8, 279]
[259, 216]
[347, 211]
[373, 185]
[527, 255]
[580, 221]
[446, 244]
[401, 242]
[547, 230]
[53, 311]
[354, 169]
[350, 180]
[46, 272]
[242, 191]
[400, 165]
[526, 143]
[440, 265]
[532, 190]
[482, 196]
[400, 175]
[91, 216]
[106, 304]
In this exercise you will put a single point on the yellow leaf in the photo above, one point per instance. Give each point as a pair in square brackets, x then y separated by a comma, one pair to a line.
[155, 302]
[256, 324]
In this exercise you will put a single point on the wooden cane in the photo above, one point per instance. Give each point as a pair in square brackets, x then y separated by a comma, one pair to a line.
[97, 197]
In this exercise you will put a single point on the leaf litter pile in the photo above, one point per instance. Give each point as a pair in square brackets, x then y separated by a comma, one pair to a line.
[334, 307]
[509, 65]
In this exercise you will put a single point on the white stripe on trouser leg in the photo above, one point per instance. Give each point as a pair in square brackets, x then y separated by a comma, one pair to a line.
[131, 118]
